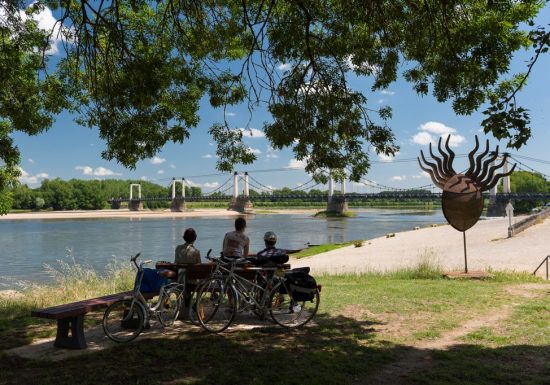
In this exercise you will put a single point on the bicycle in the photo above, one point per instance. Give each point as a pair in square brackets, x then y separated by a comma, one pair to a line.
[125, 319]
[225, 293]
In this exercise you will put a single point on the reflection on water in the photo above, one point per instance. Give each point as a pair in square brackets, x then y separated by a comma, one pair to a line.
[27, 245]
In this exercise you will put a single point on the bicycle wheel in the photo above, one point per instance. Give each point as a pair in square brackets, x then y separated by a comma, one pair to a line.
[216, 305]
[172, 302]
[289, 313]
[123, 322]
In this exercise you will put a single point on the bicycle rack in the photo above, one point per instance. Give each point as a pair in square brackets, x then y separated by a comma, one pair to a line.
[542, 263]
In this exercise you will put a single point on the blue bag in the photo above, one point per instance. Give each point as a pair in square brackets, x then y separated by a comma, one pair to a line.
[152, 281]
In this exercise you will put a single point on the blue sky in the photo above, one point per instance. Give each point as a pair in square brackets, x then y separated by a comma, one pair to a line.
[71, 151]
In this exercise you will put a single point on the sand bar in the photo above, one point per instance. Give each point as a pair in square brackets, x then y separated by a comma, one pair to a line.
[488, 246]
[124, 213]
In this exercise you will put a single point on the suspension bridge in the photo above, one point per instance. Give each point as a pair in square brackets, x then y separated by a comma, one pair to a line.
[336, 197]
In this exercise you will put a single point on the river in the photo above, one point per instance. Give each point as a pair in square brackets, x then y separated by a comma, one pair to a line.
[26, 246]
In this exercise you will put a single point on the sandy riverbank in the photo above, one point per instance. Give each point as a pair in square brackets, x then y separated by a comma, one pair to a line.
[487, 247]
[124, 213]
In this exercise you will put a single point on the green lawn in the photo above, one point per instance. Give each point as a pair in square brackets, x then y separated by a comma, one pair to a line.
[364, 323]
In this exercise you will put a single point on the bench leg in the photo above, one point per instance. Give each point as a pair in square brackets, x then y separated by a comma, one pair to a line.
[70, 333]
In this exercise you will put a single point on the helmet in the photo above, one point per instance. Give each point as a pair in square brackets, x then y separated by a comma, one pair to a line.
[270, 237]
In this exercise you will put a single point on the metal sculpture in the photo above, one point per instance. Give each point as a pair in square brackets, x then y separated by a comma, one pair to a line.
[462, 201]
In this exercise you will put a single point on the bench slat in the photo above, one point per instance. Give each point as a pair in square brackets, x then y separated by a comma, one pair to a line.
[82, 307]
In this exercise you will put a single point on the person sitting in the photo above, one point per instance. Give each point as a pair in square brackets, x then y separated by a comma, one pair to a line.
[270, 254]
[236, 243]
[188, 253]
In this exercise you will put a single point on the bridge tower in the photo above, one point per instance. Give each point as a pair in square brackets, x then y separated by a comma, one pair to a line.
[135, 204]
[115, 203]
[497, 207]
[336, 204]
[178, 203]
[241, 203]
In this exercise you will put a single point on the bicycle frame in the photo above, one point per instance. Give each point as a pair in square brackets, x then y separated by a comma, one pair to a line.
[139, 300]
[246, 288]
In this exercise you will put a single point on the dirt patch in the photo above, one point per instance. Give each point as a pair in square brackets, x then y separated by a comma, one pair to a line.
[529, 290]
[419, 356]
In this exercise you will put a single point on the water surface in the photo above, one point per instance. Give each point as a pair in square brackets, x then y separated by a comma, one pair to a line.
[26, 245]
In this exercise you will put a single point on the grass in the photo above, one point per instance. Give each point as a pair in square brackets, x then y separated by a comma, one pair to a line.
[318, 249]
[365, 321]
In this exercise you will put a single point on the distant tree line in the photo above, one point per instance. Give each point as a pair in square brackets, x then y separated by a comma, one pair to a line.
[76, 194]
[527, 182]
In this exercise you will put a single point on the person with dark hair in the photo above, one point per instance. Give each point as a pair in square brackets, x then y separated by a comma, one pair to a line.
[188, 253]
[270, 254]
[236, 243]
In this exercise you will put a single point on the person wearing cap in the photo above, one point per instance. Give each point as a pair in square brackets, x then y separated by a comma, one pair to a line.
[270, 254]
[236, 243]
[188, 253]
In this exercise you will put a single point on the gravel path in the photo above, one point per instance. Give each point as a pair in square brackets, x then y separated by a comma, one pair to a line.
[487, 247]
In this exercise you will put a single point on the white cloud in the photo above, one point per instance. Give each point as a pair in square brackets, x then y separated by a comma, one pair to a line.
[386, 158]
[230, 114]
[252, 132]
[387, 92]
[207, 156]
[102, 171]
[271, 153]
[160, 172]
[380, 101]
[211, 184]
[422, 138]
[255, 151]
[157, 160]
[436, 128]
[431, 131]
[364, 67]
[398, 178]
[295, 163]
[191, 183]
[210, 144]
[143, 178]
[45, 21]
[421, 175]
[172, 165]
[284, 66]
[86, 170]
[25, 178]
[98, 171]
[31, 161]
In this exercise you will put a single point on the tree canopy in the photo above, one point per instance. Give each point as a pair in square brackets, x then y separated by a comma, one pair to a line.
[137, 69]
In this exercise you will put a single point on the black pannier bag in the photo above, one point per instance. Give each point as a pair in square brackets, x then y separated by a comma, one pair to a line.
[301, 285]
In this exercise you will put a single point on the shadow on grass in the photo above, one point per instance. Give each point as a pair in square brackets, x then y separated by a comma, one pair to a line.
[17, 328]
[338, 350]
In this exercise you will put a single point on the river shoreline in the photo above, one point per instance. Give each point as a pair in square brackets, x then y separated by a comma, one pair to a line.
[124, 213]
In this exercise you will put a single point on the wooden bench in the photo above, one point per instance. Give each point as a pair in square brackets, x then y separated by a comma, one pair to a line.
[70, 318]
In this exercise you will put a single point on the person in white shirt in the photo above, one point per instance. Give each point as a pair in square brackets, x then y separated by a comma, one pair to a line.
[236, 243]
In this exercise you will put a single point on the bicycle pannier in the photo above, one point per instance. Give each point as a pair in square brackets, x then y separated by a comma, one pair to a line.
[152, 281]
[301, 285]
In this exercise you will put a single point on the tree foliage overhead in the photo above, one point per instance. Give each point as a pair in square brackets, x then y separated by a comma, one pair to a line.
[137, 70]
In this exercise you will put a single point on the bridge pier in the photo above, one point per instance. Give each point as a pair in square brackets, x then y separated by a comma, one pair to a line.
[241, 203]
[497, 207]
[135, 205]
[178, 205]
[338, 205]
